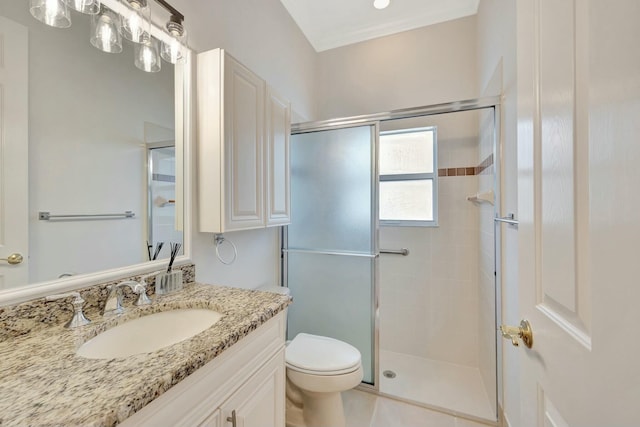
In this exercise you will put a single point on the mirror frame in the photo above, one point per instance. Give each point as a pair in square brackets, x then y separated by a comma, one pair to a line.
[185, 132]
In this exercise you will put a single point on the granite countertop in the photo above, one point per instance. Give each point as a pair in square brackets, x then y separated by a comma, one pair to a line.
[43, 381]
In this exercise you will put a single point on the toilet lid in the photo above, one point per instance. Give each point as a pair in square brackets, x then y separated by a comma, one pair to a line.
[322, 355]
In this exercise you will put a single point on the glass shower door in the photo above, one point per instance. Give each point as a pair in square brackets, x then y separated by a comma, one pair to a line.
[330, 248]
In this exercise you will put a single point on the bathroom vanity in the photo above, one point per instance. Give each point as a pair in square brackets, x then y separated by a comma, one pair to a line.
[244, 386]
[232, 373]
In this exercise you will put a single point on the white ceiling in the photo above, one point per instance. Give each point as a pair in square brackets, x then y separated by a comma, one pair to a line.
[328, 24]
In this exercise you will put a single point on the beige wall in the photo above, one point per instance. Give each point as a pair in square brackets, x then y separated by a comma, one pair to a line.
[261, 35]
[419, 67]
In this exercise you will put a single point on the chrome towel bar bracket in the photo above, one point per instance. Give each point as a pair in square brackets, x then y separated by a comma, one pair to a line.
[403, 251]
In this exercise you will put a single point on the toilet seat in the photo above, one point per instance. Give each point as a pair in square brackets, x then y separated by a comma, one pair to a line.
[322, 356]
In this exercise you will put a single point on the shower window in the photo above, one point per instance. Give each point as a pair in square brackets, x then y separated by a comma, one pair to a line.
[408, 177]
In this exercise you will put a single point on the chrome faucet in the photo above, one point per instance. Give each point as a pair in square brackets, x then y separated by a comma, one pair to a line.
[78, 318]
[113, 305]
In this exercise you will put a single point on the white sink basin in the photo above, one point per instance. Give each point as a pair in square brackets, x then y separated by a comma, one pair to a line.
[149, 333]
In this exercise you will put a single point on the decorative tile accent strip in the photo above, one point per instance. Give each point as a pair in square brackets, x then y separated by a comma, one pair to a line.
[467, 171]
[484, 165]
[37, 314]
[163, 178]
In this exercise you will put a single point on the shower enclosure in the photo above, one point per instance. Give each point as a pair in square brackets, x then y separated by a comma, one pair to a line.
[392, 249]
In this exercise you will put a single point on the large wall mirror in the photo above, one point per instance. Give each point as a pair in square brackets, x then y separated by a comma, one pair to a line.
[104, 138]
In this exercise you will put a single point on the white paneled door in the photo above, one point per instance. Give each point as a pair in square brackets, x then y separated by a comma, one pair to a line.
[579, 211]
[14, 197]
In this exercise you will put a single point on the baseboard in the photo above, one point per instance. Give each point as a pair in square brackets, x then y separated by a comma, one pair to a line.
[503, 420]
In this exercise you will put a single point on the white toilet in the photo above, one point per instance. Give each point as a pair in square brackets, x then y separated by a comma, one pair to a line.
[318, 370]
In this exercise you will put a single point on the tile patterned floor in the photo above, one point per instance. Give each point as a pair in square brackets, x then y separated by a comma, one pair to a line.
[368, 410]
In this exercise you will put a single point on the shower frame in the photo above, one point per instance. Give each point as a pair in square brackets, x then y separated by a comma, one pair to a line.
[492, 102]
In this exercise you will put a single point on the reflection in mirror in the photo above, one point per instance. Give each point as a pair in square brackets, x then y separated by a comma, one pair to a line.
[161, 187]
[100, 141]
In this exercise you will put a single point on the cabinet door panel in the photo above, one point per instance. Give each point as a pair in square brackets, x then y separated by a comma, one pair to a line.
[213, 420]
[260, 401]
[277, 161]
[244, 130]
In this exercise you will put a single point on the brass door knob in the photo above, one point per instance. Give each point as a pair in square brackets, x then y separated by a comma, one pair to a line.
[522, 332]
[13, 259]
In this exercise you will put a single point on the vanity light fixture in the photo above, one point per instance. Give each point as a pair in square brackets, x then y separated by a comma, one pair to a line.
[173, 50]
[136, 21]
[381, 4]
[130, 19]
[147, 55]
[88, 7]
[105, 31]
[54, 13]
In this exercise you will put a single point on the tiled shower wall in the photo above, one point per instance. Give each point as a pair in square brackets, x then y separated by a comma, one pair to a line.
[429, 299]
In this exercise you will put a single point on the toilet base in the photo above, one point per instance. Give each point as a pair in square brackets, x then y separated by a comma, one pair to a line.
[316, 400]
[317, 410]
[293, 415]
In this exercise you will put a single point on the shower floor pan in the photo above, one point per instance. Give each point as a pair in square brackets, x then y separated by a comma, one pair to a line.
[438, 384]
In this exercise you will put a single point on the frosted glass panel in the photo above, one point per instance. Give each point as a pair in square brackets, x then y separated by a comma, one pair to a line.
[331, 190]
[406, 200]
[333, 297]
[403, 153]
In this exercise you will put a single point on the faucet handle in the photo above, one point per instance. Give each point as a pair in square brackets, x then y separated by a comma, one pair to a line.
[138, 288]
[141, 291]
[143, 299]
[78, 318]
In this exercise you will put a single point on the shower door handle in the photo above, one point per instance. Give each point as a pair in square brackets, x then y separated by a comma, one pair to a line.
[522, 332]
[509, 219]
[318, 252]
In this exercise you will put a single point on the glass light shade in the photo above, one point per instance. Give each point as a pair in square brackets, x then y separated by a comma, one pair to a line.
[54, 13]
[147, 56]
[173, 51]
[105, 31]
[88, 7]
[136, 21]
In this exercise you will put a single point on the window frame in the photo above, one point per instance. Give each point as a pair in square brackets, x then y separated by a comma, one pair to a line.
[433, 176]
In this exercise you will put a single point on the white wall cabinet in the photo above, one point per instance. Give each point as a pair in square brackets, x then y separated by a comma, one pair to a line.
[246, 381]
[243, 147]
[277, 183]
